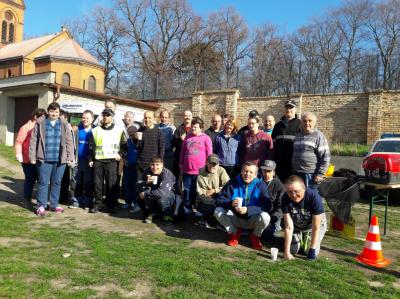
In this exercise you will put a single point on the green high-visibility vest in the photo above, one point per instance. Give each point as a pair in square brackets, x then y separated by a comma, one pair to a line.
[107, 142]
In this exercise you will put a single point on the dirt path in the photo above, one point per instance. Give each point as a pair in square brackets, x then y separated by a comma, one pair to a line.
[11, 194]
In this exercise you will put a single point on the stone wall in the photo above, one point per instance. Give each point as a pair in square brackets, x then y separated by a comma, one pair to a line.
[347, 117]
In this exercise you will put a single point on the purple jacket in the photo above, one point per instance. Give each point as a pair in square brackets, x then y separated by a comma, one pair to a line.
[194, 153]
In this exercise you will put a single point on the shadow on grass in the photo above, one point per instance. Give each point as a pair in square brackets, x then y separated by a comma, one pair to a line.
[354, 255]
[13, 193]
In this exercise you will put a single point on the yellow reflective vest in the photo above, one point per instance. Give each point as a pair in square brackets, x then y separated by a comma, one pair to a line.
[107, 142]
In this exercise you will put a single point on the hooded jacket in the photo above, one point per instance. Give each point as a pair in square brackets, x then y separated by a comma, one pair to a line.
[255, 196]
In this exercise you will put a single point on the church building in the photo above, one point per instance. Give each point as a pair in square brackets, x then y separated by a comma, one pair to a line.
[35, 72]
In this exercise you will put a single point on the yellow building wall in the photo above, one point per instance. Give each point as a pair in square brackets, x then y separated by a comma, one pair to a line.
[78, 72]
[18, 13]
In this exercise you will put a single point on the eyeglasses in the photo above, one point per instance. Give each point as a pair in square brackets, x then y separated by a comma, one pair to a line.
[212, 163]
[294, 192]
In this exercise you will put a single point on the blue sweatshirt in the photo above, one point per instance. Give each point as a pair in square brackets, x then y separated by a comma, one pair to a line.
[132, 152]
[83, 142]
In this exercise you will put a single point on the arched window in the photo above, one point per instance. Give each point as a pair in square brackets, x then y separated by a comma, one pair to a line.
[66, 79]
[92, 83]
[8, 27]
[4, 31]
[11, 33]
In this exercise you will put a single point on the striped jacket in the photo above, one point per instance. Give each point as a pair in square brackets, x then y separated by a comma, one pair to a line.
[311, 153]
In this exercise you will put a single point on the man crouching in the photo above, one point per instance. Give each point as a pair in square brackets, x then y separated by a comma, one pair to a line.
[241, 204]
[156, 195]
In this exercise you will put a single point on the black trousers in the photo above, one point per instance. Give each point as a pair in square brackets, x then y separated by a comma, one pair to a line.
[106, 171]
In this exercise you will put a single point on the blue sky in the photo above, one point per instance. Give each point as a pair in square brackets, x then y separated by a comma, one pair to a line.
[46, 16]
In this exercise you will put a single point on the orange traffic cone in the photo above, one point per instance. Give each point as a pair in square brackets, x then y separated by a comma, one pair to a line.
[372, 252]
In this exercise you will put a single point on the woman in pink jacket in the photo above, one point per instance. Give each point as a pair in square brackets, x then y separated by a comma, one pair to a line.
[196, 147]
[22, 155]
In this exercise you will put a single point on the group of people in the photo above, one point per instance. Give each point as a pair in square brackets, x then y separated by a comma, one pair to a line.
[229, 177]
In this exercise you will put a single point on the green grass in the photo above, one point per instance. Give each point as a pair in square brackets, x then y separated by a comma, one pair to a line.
[349, 149]
[8, 153]
[32, 266]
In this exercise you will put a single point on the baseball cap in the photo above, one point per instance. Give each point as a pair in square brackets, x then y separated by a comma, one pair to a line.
[290, 103]
[268, 165]
[213, 158]
[253, 113]
[108, 111]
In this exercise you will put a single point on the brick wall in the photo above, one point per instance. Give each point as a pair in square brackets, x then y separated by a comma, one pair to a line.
[347, 117]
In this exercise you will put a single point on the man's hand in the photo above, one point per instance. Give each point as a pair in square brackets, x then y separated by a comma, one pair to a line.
[91, 164]
[117, 157]
[183, 136]
[235, 203]
[19, 158]
[210, 192]
[70, 163]
[242, 210]
[288, 256]
[318, 178]
[141, 195]
[33, 161]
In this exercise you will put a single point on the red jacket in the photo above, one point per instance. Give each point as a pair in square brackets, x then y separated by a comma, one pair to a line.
[23, 139]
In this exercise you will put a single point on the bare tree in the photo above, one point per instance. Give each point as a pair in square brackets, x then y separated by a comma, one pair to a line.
[156, 29]
[234, 44]
[384, 26]
[351, 18]
[106, 36]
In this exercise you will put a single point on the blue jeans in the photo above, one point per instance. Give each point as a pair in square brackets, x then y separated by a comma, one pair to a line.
[162, 205]
[130, 180]
[189, 189]
[31, 176]
[49, 172]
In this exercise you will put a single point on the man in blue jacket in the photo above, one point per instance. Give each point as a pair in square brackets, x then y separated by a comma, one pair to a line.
[242, 204]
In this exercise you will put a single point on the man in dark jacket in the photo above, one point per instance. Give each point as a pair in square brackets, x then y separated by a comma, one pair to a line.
[149, 142]
[275, 192]
[180, 135]
[283, 136]
[215, 129]
[156, 195]
[242, 204]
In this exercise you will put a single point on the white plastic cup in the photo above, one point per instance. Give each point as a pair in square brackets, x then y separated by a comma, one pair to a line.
[274, 253]
[139, 135]
[154, 178]
[240, 202]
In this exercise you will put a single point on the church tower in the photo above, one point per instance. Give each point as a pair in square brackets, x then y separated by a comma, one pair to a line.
[11, 21]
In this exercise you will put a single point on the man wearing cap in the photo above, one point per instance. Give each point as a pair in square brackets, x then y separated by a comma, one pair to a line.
[243, 204]
[211, 179]
[244, 130]
[106, 146]
[311, 154]
[275, 192]
[283, 136]
[304, 217]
